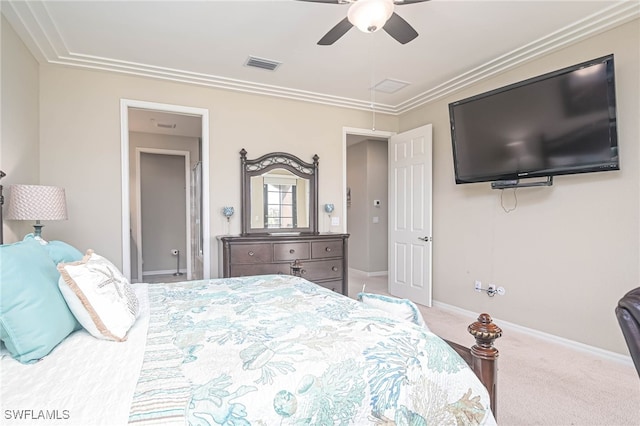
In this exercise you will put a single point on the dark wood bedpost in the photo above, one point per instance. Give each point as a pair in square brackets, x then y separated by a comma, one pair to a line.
[484, 356]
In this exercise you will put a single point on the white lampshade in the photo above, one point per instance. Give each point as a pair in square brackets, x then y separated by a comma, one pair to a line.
[36, 202]
[370, 15]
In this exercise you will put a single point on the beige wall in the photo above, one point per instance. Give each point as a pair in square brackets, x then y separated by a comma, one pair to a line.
[19, 154]
[377, 162]
[80, 137]
[568, 252]
[357, 226]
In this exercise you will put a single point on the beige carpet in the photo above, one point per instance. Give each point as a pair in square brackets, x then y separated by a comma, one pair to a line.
[541, 382]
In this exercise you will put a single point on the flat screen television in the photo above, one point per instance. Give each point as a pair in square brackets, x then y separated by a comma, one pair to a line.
[563, 122]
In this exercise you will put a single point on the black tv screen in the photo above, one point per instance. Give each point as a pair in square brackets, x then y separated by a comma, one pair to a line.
[558, 123]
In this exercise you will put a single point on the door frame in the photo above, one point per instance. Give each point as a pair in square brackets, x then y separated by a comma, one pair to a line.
[187, 191]
[125, 104]
[356, 132]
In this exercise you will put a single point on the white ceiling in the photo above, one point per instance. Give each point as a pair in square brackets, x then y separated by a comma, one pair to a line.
[165, 123]
[208, 42]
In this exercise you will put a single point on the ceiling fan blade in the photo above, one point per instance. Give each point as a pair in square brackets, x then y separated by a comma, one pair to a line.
[328, 1]
[400, 29]
[400, 2]
[336, 32]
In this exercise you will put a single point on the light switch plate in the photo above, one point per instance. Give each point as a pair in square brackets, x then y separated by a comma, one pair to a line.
[335, 221]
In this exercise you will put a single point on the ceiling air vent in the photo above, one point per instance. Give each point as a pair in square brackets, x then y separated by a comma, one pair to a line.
[265, 64]
[390, 86]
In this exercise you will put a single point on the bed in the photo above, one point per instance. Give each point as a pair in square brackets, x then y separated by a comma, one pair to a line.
[258, 350]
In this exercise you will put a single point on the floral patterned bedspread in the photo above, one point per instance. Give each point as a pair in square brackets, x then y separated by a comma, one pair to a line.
[279, 350]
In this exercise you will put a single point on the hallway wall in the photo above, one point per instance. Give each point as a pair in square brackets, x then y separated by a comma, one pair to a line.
[367, 163]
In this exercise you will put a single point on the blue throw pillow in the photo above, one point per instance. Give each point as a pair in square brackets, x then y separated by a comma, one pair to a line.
[61, 252]
[34, 316]
[58, 251]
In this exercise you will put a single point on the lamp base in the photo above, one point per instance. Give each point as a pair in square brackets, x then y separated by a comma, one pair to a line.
[37, 229]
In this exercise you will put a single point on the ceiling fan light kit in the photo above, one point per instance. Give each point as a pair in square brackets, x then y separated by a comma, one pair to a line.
[370, 15]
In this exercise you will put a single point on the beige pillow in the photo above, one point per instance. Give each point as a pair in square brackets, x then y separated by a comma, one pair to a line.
[99, 296]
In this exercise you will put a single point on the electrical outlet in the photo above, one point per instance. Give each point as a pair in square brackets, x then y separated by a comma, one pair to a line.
[478, 285]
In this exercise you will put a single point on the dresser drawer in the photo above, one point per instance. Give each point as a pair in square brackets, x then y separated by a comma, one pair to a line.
[251, 253]
[259, 269]
[290, 251]
[335, 285]
[323, 269]
[322, 249]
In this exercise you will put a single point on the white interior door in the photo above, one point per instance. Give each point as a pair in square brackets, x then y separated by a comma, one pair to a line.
[410, 242]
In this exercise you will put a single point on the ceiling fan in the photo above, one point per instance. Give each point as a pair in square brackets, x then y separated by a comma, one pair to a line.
[369, 16]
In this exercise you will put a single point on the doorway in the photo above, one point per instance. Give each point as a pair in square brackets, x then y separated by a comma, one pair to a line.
[163, 230]
[166, 130]
[367, 205]
[365, 175]
[401, 211]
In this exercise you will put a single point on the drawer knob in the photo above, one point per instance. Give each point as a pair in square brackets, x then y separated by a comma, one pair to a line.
[327, 249]
[334, 269]
[302, 271]
[251, 253]
[292, 251]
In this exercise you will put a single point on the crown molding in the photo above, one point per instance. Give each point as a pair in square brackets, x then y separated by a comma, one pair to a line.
[40, 34]
[611, 17]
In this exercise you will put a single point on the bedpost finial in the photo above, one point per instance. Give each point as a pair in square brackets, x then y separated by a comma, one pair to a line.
[485, 331]
[243, 153]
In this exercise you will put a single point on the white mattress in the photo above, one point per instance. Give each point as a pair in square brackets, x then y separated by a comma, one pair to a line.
[73, 385]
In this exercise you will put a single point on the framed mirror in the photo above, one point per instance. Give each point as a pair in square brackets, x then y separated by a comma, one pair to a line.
[279, 194]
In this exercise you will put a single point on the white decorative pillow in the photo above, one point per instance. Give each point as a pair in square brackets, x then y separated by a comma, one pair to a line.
[402, 308]
[99, 296]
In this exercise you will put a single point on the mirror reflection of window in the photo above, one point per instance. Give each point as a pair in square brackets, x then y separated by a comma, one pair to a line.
[288, 207]
[280, 206]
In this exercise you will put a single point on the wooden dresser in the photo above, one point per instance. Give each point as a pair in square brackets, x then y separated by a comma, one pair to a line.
[323, 257]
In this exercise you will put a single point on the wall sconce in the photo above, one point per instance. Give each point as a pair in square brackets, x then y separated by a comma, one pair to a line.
[36, 202]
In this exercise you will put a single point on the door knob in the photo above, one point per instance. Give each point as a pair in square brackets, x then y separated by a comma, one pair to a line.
[424, 238]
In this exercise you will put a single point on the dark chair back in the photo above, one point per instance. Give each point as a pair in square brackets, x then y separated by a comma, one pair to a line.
[628, 313]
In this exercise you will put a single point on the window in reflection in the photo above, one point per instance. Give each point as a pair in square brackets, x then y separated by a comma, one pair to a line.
[280, 206]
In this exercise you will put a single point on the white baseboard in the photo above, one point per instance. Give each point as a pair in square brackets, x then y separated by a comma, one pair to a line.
[572, 344]
[164, 272]
[368, 274]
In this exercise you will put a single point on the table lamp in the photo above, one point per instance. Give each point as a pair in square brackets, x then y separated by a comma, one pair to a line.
[36, 202]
